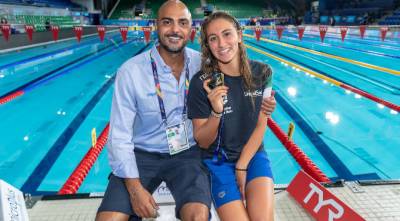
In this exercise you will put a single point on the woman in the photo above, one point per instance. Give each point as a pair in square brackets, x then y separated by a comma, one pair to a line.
[228, 123]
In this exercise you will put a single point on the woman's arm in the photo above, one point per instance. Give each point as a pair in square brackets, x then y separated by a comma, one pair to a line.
[254, 142]
[248, 151]
[205, 131]
[251, 147]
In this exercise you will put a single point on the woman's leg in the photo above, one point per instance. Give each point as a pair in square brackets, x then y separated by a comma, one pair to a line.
[260, 199]
[233, 211]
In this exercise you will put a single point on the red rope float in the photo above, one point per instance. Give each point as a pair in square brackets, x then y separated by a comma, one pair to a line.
[302, 159]
[11, 97]
[75, 180]
[372, 97]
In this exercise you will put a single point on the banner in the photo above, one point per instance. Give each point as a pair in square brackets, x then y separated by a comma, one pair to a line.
[192, 34]
[6, 30]
[55, 29]
[29, 31]
[343, 32]
[300, 31]
[78, 32]
[12, 203]
[363, 28]
[322, 32]
[147, 33]
[384, 30]
[279, 30]
[102, 31]
[318, 201]
[257, 32]
[124, 32]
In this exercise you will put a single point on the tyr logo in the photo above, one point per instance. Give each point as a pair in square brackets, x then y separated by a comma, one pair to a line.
[321, 202]
[318, 201]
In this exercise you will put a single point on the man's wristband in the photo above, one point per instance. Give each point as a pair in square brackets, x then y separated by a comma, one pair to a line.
[215, 114]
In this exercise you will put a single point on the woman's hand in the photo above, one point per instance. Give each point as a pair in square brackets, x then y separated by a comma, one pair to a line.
[215, 96]
[241, 182]
[241, 174]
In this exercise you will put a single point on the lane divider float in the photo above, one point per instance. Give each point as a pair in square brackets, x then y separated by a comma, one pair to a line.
[75, 180]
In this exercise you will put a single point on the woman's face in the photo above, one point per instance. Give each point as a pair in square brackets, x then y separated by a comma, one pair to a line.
[223, 40]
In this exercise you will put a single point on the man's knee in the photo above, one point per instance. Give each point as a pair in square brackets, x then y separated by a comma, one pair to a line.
[196, 216]
[112, 216]
[194, 212]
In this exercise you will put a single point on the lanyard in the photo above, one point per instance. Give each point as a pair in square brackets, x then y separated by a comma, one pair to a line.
[160, 95]
[219, 155]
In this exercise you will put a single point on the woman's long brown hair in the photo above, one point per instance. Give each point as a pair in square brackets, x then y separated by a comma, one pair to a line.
[209, 63]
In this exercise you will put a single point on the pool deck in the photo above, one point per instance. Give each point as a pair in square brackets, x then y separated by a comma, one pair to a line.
[372, 202]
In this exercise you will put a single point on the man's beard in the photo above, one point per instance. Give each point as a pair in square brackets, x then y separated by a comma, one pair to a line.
[173, 50]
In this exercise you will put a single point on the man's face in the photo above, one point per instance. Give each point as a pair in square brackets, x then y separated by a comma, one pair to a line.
[174, 24]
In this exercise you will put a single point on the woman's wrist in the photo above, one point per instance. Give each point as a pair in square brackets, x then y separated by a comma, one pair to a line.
[240, 166]
[216, 114]
[241, 169]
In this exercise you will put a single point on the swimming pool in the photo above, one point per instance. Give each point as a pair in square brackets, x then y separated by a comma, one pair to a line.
[68, 89]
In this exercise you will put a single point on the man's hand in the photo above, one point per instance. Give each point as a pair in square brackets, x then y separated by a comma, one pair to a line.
[143, 203]
[268, 105]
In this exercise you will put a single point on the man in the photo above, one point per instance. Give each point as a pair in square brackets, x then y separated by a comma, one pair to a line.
[47, 25]
[150, 136]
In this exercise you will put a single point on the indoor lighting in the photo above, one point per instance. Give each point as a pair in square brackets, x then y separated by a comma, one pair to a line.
[292, 91]
[332, 117]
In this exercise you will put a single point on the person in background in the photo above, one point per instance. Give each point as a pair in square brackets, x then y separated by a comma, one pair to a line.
[47, 25]
[332, 21]
[3, 21]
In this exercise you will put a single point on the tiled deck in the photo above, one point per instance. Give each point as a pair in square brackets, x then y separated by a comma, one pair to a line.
[372, 202]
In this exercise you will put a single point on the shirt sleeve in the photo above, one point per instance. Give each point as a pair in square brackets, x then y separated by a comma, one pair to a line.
[120, 146]
[262, 74]
[198, 105]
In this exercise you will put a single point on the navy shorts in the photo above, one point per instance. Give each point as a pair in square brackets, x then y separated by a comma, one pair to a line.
[224, 188]
[184, 174]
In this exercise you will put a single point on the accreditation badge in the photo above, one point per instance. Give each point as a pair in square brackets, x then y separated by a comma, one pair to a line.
[177, 138]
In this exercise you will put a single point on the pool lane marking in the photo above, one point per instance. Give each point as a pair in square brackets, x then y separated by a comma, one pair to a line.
[293, 38]
[324, 149]
[42, 79]
[356, 37]
[26, 47]
[333, 81]
[52, 53]
[40, 172]
[372, 40]
[359, 63]
[390, 88]
[47, 54]
[361, 42]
